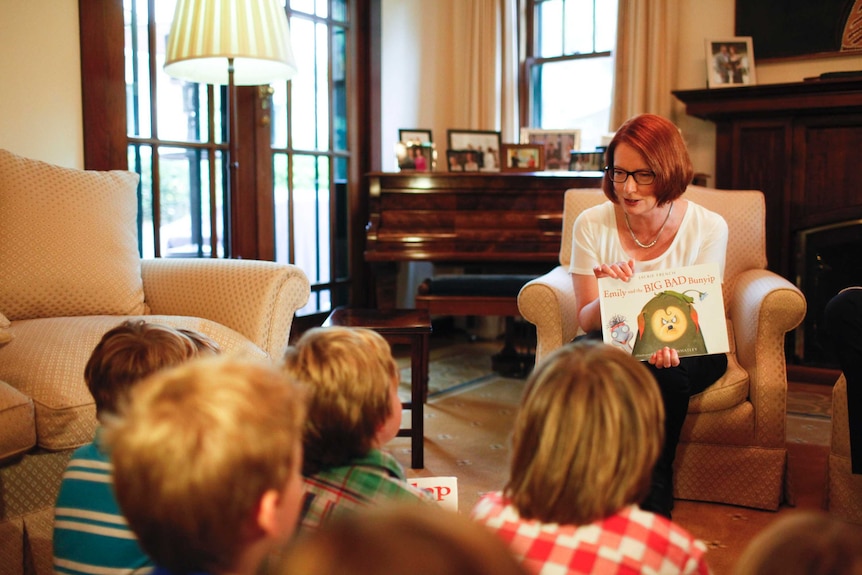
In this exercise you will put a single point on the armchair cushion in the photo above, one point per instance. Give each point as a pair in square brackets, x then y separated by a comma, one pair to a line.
[45, 364]
[59, 255]
[730, 389]
[18, 433]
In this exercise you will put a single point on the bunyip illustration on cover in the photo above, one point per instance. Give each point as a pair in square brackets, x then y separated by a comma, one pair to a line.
[682, 308]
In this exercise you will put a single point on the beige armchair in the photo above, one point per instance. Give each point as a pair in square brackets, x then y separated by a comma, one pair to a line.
[69, 271]
[843, 488]
[732, 448]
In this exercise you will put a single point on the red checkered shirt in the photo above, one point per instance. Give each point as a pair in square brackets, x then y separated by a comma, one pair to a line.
[630, 541]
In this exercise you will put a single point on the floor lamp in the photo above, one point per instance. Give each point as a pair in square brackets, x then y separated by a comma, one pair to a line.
[232, 42]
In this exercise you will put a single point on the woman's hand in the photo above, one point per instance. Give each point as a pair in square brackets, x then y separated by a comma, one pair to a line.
[664, 357]
[618, 270]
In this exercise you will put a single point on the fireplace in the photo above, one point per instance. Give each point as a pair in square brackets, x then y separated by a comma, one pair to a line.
[827, 260]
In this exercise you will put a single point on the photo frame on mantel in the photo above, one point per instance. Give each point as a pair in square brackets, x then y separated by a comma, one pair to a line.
[729, 62]
[485, 143]
[523, 157]
[557, 144]
[414, 136]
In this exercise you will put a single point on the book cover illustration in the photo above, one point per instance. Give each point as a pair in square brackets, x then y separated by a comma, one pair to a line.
[681, 308]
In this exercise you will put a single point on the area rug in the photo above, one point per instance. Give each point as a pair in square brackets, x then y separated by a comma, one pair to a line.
[454, 367]
[469, 417]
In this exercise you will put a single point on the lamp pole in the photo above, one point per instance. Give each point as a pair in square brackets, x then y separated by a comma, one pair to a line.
[233, 158]
[253, 36]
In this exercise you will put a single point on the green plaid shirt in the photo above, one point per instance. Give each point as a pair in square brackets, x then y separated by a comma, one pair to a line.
[370, 480]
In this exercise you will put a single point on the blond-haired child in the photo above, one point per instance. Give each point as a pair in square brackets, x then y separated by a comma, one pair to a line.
[586, 437]
[207, 461]
[353, 411]
[90, 533]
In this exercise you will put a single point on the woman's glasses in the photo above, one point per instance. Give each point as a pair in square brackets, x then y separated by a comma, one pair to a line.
[641, 177]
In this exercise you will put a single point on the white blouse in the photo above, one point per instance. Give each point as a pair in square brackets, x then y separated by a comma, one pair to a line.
[701, 238]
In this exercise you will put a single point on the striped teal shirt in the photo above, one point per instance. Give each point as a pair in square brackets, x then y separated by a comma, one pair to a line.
[91, 537]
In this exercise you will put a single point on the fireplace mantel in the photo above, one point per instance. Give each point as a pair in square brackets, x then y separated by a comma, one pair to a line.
[800, 143]
[798, 98]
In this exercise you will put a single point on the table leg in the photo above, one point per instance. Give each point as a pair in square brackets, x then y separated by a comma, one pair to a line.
[418, 393]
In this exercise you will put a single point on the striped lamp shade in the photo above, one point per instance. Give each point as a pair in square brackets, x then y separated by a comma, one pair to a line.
[205, 33]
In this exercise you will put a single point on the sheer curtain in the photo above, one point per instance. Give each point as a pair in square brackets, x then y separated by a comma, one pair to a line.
[645, 65]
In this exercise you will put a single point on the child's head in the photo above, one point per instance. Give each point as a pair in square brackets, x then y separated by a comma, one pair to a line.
[207, 460]
[420, 540]
[588, 432]
[353, 393]
[133, 350]
[810, 542]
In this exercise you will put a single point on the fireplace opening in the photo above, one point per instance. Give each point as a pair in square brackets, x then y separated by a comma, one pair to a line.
[828, 259]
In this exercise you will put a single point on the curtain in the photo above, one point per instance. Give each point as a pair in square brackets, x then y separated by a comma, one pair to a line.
[645, 59]
[510, 122]
[487, 56]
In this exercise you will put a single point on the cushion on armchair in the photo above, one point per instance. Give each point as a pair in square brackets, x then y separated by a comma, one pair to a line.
[45, 362]
[17, 422]
[59, 255]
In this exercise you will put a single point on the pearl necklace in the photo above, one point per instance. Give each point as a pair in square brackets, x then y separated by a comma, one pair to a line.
[660, 230]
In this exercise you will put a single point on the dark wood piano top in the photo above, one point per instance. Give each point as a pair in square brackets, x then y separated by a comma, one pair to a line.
[468, 217]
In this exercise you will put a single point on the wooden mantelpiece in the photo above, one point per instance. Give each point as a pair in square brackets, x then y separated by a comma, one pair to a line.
[773, 99]
[799, 143]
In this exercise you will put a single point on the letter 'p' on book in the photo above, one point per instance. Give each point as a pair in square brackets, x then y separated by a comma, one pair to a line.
[681, 308]
[444, 490]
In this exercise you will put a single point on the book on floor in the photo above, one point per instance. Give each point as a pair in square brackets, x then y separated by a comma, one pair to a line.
[444, 490]
[681, 308]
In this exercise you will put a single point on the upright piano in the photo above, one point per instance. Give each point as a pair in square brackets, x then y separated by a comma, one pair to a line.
[486, 222]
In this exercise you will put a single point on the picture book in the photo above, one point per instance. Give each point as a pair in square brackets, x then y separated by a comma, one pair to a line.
[444, 490]
[681, 308]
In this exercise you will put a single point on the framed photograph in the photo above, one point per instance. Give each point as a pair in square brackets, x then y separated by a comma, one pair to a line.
[485, 144]
[729, 62]
[523, 157]
[416, 157]
[556, 143]
[415, 136]
[586, 161]
[464, 160]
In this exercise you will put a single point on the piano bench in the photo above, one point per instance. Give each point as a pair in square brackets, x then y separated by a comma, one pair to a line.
[482, 295]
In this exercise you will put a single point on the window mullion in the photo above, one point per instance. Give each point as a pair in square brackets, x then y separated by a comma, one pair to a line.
[154, 126]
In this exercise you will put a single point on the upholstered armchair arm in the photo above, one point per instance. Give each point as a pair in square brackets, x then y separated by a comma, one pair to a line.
[548, 302]
[255, 298]
[763, 308]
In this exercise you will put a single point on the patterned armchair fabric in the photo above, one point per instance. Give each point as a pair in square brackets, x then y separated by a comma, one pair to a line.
[732, 448]
[69, 271]
[843, 489]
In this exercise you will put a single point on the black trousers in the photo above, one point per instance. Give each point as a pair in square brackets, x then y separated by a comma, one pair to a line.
[677, 384]
[843, 323]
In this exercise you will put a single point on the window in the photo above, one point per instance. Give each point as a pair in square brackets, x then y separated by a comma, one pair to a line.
[177, 141]
[570, 66]
[310, 152]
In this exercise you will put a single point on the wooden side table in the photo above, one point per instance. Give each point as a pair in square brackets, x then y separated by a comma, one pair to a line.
[400, 326]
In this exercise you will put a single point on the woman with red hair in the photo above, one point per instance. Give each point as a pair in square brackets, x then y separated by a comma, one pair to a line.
[648, 225]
